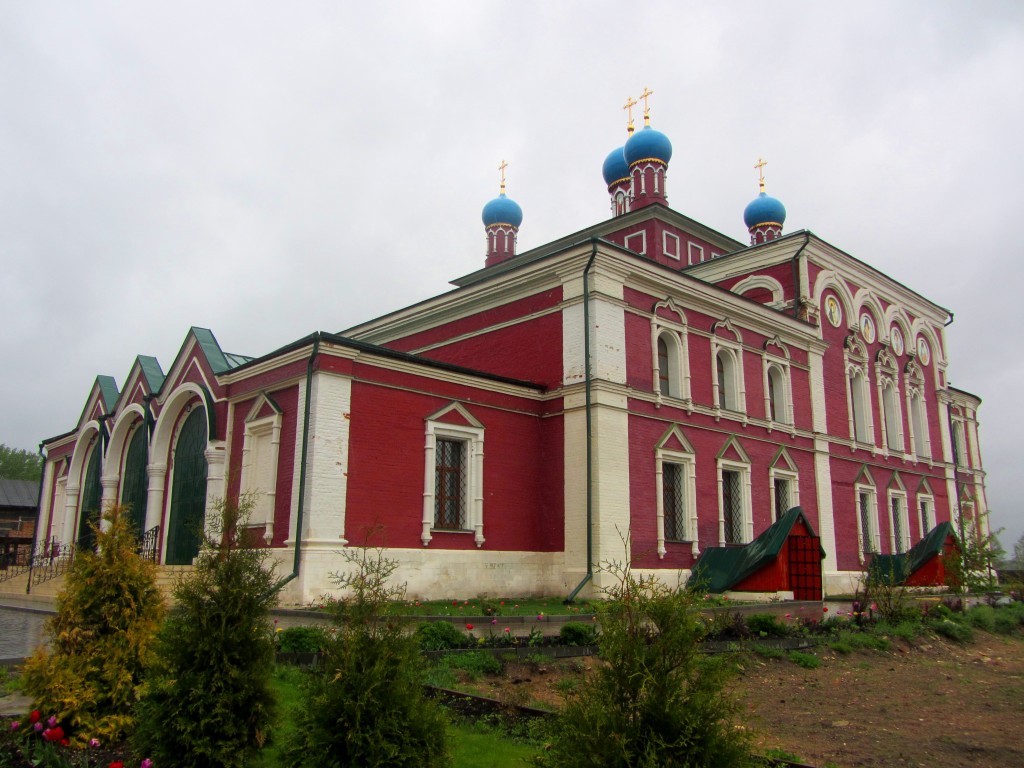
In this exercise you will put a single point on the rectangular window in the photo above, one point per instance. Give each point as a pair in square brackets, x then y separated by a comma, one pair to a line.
[695, 254]
[867, 543]
[898, 526]
[674, 505]
[782, 496]
[924, 506]
[450, 485]
[732, 506]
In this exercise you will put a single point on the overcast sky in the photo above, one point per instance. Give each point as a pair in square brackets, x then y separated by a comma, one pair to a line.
[270, 169]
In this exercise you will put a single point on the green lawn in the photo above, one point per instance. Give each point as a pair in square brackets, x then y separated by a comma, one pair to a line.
[471, 745]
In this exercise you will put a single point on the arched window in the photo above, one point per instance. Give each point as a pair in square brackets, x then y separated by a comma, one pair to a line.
[859, 407]
[778, 410]
[664, 367]
[92, 494]
[728, 384]
[188, 491]
[919, 424]
[893, 419]
[135, 480]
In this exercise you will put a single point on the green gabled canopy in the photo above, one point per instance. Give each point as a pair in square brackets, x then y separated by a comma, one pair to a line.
[899, 568]
[720, 568]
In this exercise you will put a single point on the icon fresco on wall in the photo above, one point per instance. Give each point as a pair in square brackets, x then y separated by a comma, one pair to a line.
[897, 341]
[867, 328]
[833, 311]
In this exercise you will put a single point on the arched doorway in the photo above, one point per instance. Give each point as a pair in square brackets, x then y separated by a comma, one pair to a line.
[188, 491]
[135, 481]
[92, 498]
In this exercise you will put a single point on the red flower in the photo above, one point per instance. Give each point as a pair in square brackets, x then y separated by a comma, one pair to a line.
[65, 742]
[53, 734]
[469, 627]
[34, 717]
[824, 609]
[116, 764]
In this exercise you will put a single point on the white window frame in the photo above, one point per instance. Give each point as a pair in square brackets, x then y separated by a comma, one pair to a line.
[872, 534]
[862, 429]
[746, 511]
[668, 238]
[784, 398]
[693, 250]
[920, 439]
[686, 463]
[732, 350]
[899, 497]
[925, 512]
[677, 341]
[473, 436]
[958, 437]
[892, 415]
[783, 468]
[642, 235]
[255, 432]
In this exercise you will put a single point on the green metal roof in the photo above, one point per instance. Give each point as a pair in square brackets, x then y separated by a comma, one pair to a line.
[720, 568]
[899, 568]
[108, 391]
[211, 349]
[152, 372]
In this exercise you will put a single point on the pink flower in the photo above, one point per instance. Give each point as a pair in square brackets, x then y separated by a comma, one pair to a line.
[147, 763]
[38, 727]
[507, 629]
[94, 743]
[52, 722]
[469, 627]
[874, 607]
[494, 621]
[15, 725]
[789, 615]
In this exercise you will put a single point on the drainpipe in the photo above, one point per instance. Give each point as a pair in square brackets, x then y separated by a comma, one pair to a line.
[302, 466]
[797, 297]
[39, 514]
[587, 388]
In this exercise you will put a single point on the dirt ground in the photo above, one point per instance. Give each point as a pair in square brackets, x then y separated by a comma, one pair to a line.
[926, 703]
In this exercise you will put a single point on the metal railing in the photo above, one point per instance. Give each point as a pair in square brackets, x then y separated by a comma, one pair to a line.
[18, 561]
[52, 563]
[147, 548]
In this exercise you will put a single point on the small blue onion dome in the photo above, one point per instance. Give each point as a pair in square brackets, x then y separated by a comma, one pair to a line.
[615, 167]
[764, 209]
[648, 143]
[502, 210]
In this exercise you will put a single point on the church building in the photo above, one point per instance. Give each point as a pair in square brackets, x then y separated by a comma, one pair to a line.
[640, 390]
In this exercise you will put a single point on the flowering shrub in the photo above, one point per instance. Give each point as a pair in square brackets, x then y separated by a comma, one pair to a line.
[45, 744]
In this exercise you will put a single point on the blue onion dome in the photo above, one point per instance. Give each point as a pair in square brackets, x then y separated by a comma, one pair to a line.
[764, 209]
[502, 210]
[615, 167]
[647, 144]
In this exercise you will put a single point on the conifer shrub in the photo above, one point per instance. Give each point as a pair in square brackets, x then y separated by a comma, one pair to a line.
[209, 700]
[102, 637]
[656, 700]
[439, 636]
[578, 633]
[364, 705]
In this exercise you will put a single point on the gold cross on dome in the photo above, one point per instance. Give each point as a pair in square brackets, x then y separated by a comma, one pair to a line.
[628, 106]
[761, 163]
[502, 167]
[647, 110]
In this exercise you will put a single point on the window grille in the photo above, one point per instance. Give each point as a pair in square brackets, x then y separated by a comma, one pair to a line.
[673, 505]
[782, 500]
[732, 506]
[897, 524]
[450, 485]
[866, 539]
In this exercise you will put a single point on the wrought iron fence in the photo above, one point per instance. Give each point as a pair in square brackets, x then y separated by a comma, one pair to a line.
[147, 548]
[53, 562]
[17, 561]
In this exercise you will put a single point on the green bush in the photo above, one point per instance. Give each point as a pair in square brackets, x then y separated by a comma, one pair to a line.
[476, 664]
[766, 625]
[953, 630]
[982, 617]
[578, 633]
[101, 639]
[365, 706]
[658, 701]
[805, 660]
[300, 639]
[1005, 624]
[209, 701]
[439, 636]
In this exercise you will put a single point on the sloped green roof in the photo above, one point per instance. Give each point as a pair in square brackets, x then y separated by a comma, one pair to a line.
[720, 568]
[211, 349]
[108, 391]
[152, 371]
[899, 568]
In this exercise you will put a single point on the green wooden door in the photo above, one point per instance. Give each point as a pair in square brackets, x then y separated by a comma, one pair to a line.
[188, 491]
[135, 482]
[92, 498]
